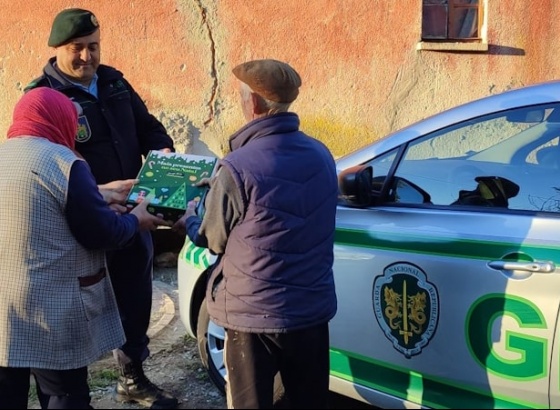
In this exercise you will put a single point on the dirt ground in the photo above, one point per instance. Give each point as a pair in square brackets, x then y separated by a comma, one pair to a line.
[173, 365]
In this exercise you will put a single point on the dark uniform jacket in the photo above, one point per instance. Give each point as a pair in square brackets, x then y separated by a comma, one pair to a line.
[115, 129]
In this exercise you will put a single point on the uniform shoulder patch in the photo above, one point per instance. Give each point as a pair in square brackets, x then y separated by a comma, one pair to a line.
[84, 130]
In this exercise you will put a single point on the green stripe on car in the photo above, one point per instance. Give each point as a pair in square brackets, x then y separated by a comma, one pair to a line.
[452, 247]
[430, 392]
[198, 257]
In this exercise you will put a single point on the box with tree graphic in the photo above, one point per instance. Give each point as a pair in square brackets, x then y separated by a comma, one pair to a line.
[170, 179]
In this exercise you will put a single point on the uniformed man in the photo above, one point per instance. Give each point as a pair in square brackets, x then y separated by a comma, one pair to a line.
[114, 132]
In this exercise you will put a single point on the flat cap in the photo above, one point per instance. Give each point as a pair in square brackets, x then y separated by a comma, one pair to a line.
[70, 24]
[271, 79]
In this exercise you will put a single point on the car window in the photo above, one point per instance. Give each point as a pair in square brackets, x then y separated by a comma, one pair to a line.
[509, 160]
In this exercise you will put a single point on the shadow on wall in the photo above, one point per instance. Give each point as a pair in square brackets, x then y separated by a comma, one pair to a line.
[494, 49]
[184, 134]
[200, 148]
[180, 129]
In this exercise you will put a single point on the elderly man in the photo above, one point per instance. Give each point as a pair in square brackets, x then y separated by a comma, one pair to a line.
[114, 132]
[270, 216]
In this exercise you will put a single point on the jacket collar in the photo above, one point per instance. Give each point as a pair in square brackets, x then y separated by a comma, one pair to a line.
[280, 123]
[58, 81]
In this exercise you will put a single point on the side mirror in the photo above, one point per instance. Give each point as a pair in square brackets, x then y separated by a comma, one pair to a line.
[355, 185]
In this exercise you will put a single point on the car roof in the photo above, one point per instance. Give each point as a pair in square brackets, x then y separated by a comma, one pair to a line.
[541, 93]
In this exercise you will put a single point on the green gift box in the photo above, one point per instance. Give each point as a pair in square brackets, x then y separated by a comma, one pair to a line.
[171, 178]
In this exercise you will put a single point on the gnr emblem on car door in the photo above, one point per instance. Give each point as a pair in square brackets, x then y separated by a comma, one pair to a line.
[406, 306]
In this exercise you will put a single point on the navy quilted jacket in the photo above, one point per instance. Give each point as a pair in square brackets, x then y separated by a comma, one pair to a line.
[276, 272]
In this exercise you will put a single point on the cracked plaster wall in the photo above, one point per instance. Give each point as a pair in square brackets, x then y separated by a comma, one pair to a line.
[362, 75]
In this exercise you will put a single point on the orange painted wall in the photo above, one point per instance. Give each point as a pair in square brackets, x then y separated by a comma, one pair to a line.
[362, 75]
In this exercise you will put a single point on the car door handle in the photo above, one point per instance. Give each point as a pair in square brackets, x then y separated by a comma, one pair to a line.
[536, 267]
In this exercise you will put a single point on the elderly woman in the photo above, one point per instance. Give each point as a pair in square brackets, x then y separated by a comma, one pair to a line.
[57, 308]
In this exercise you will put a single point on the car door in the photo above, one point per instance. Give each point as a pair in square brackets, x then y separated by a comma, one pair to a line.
[448, 284]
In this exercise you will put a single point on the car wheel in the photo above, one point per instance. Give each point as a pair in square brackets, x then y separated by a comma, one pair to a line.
[210, 338]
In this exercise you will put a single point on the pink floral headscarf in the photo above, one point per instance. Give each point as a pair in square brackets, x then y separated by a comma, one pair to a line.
[47, 113]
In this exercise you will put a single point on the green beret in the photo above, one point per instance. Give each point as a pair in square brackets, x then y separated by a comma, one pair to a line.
[70, 24]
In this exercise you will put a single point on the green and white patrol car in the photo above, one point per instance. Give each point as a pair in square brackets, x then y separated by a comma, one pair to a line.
[447, 261]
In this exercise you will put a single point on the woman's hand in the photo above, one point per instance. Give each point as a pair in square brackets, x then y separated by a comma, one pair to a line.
[116, 192]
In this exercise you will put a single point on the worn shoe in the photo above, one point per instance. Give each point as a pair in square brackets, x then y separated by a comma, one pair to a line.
[134, 387]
